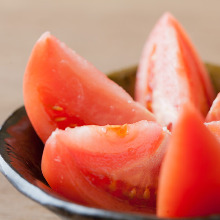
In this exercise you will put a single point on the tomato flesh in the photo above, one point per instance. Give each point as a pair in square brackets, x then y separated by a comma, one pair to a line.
[170, 73]
[214, 112]
[189, 181]
[214, 127]
[111, 167]
[62, 89]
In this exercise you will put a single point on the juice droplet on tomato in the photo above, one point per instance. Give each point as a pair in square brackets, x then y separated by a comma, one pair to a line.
[133, 110]
[104, 130]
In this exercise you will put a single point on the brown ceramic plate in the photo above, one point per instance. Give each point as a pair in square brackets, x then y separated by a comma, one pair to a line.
[20, 159]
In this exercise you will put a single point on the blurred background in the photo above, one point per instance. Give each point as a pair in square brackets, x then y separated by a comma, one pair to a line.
[109, 34]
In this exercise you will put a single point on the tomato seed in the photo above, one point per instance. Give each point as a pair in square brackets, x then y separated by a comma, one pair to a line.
[112, 185]
[133, 193]
[57, 108]
[73, 125]
[60, 119]
[146, 194]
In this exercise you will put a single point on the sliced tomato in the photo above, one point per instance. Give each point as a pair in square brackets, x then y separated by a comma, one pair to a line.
[189, 181]
[62, 89]
[171, 73]
[112, 167]
[214, 112]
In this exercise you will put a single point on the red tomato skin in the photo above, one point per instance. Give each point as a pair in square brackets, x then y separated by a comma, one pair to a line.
[214, 112]
[109, 167]
[189, 181]
[62, 89]
[171, 73]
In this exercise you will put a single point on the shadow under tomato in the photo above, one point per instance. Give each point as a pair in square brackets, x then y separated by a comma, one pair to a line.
[22, 149]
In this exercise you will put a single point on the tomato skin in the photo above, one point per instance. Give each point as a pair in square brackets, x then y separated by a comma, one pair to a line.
[171, 73]
[62, 89]
[109, 167]
[189, 181]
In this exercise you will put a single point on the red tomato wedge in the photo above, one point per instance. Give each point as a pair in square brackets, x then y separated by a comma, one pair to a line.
[62, 89]
[112, 167]
[214, 112]
[189, 181]
[170, 73]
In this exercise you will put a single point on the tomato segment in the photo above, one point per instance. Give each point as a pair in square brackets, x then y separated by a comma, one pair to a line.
[110, 167]
[171, 73]
[189, 181]
[63, 89]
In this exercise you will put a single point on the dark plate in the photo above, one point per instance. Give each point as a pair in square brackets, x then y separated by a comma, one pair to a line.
[20, 159]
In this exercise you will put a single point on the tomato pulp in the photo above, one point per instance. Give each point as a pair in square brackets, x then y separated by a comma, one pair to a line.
[62, 89]
[112, 167]
[171, 73]
[214, 112]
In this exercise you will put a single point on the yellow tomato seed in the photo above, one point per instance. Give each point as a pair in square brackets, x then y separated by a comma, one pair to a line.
[72, 125]
[57, 108]
[112, 185]
[132, 194]
[60, 119]
[146, 194]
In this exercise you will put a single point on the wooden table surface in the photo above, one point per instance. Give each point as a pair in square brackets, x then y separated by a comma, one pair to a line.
[110, 34]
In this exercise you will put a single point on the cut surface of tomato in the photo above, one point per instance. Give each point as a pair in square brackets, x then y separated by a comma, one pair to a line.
[62, 89]
[214, 127]
[189, 181]
[214, 112]
[112, 167]
[171, 73]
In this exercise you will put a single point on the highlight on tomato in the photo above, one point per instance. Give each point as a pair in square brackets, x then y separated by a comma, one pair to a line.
[214, 127]
[214, 112]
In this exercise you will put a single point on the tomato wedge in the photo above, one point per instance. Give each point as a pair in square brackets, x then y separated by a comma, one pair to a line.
[171, 73]
[111, 167]
[214, 112]
[189, 181]
[62, 89]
